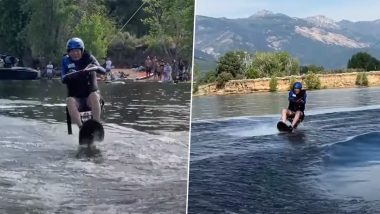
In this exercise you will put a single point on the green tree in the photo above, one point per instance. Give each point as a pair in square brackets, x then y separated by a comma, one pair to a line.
[232, 62]
[363, 60]
[122, 11]
[13, 21]
[266, 64]
[47, 29]
[96, 31]
[288, 64]
[252, 73]
[312, 68]
[171, 26]
[208, 77]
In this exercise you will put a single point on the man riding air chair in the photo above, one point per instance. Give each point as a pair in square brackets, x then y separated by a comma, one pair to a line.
[295, 111]
[84, 104]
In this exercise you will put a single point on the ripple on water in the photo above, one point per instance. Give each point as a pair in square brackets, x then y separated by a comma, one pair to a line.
[352, 167]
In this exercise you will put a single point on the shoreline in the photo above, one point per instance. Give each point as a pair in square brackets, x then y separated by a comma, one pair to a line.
[249, 86]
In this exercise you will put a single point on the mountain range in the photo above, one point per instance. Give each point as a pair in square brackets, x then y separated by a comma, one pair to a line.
[315, 40]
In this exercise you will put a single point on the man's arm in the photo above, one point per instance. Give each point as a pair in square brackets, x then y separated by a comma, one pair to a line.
[64, 72]
[97, 68]
[291, 98]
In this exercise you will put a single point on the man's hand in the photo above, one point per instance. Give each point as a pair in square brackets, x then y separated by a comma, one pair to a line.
[91, 67]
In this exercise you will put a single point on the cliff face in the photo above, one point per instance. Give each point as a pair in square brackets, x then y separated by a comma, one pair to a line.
[343, 80]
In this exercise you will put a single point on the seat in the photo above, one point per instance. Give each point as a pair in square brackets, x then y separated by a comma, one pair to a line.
[85, 109]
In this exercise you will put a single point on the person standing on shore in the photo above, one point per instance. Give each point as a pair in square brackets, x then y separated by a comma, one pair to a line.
[167, 72]
[161, 70]
[49, 70]
[181, 68]
[148, 66]
[155, 67]
[109, 68]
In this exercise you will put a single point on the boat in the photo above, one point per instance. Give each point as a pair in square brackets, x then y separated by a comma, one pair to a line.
[19, 73]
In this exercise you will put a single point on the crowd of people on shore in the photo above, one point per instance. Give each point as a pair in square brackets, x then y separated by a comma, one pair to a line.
[164, 70]
[159, 69]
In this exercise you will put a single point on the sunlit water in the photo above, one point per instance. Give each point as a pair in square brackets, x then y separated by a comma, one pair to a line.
[240, 163]
[144, 155]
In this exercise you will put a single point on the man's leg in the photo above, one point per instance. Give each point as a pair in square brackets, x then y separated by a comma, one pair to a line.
[285, 114]
[296, 118]
[73, 106]
[93, 101]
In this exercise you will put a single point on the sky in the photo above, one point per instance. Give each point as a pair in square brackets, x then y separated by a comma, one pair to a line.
[353, 10]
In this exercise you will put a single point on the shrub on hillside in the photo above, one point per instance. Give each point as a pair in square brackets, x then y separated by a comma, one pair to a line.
[223, 78]
[252, 73]
[239, 77]
[273, 84]
[361, 79]
[312, 81]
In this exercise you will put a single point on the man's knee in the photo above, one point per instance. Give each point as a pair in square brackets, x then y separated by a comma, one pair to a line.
[70, 101]
[94, 96]
[93, 99]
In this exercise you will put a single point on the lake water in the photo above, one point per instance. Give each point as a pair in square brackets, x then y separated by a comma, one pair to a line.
[144, 155]
[240, 163]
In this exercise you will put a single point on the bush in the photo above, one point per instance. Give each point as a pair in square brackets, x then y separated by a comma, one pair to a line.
[223, 78]
[361, 79]
[312, 81]
[209, 77]
[239, 77]
[273, 84]
[252, 73]
[292, 80]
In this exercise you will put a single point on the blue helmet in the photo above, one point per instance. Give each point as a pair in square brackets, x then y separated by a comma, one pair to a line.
[297, 85]
[75, 43]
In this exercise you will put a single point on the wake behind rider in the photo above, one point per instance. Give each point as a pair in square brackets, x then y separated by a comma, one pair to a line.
[296, 108]
[79, 70]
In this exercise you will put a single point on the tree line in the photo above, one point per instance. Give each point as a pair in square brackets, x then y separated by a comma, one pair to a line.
[36, 31]
[244, 65]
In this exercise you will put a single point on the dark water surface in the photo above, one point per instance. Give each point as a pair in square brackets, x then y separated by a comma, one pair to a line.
[241, 164]
[145, 151]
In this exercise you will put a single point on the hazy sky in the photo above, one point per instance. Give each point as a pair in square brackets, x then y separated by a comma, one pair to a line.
[354, 10]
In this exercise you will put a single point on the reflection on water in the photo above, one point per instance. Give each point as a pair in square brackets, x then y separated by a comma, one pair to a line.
[240, 163]
[144, 166]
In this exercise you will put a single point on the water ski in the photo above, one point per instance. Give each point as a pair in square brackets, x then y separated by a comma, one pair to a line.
[90, 132]
[283, 127]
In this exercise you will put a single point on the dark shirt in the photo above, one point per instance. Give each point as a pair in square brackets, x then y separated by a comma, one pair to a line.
[293, 98]
[80, 84]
